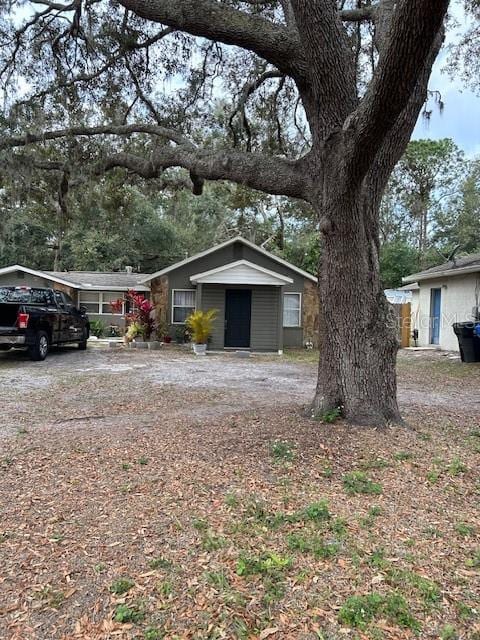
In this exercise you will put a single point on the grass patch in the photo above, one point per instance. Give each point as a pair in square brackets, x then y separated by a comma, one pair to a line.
[465, 530]
[358, 482]
[402, 456]
[231, 500]
[218, 580]
[160, 563]
[211, 542]
[474, 561]
[266, 563]
[282, 451]
[360, 611]
[125, 614]
[318, 511]
[456, 467]
[375, 463]
[369, 520]
[448, 633]
[313, 544]
[121, 586]
[330, 416]
[153, 633]
[427, 589]
[51, 597]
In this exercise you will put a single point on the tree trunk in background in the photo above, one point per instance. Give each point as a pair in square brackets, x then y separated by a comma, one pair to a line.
[358, 342]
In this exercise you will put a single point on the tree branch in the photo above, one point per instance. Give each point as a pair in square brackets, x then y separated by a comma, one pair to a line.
[218, 22]
[412, 32]
[123, 130]
[330, 60]
[270, 174]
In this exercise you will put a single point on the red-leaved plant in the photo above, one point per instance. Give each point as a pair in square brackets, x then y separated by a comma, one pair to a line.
[141, 311]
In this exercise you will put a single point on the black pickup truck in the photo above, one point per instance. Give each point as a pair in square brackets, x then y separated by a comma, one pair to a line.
[34, 319]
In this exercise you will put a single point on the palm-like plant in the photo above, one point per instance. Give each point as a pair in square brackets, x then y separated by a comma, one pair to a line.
[200, 324]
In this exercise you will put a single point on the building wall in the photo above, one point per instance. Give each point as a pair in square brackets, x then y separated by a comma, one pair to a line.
[457, 300]
[213, 296]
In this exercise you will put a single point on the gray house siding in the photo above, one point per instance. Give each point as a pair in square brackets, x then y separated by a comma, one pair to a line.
[213, 297]
[293, 337]
[265, 327]
[267, 332]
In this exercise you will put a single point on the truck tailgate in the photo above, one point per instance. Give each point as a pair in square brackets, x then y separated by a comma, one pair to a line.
[8, 315]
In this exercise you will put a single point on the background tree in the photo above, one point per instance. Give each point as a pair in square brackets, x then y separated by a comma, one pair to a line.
[423, 185]
[307, 99]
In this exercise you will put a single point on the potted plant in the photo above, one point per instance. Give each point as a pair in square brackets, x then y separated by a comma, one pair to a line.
[134, 331]
[200, 324]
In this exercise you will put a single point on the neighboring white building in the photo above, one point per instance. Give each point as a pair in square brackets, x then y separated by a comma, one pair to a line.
[443, 295]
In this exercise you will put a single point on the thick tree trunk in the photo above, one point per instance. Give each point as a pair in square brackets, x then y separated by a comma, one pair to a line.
[358, 342]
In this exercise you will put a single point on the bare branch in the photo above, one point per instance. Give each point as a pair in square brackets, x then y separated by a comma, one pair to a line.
[413, 30]
[246, 92]
[218, 22]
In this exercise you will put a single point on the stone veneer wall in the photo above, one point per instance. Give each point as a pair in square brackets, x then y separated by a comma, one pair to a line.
[159, 288]
[310, 311]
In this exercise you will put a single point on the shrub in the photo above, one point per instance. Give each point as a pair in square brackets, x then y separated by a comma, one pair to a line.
[358, 482]
[97, 328]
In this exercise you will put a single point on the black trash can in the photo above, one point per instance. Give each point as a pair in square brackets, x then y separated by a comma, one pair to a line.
[468, 341]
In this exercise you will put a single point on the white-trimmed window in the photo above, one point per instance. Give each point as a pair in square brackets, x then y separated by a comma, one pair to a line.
[292, 305]
[183, 304]
[99, 302]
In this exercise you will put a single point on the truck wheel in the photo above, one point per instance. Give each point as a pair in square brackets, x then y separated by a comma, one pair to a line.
[39, 350]
[83, 344]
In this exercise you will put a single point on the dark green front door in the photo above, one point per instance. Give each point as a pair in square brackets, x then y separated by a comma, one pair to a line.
[238, 312]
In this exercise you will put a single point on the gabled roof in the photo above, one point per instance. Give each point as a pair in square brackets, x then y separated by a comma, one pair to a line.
[241, 272]
[227, 243]
[106, 281]
[48, 275]
[458, 266]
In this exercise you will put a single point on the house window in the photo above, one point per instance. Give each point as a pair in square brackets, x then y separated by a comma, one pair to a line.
[183, 304]
[99, 302]
[291, 309]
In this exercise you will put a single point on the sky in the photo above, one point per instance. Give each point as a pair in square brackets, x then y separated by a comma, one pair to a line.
[460, 119]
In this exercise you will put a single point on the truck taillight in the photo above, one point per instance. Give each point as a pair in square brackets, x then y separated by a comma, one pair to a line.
[23, 320]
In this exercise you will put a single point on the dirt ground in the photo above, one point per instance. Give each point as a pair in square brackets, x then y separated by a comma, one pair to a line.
[158, 495]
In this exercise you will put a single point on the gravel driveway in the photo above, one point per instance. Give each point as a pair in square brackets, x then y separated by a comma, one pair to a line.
[105, 386]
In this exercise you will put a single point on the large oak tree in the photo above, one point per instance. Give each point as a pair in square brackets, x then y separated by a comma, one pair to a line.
[317, 101]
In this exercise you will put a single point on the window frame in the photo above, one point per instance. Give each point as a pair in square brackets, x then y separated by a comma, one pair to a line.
[179, 306]
[100, 302]
[292, 326]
